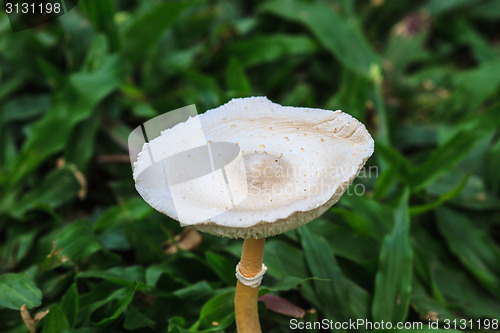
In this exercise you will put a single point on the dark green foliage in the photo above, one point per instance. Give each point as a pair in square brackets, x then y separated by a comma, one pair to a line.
[395, 271]
[416, 237]
[18, 289]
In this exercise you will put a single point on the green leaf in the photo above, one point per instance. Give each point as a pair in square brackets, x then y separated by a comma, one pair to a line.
[302, 94]
[176, 325]
[355, 222]
[353, 94]
[446, 157]
[143, 242]
[135, 319]
[123, 301]
[104, 297]
[17, 289]
[98, 83]
[489, 10]
[10, 85]
[77, 240]
[283, 259]
[493, 167]
[265, 49]
[425, 304]
[180, 269]
[143, 30]
[474, 248]
[288, 283]
[422, 267]
[127, 276]
[219, 309]
[401, 166]
[475, 301]
[383, 136]
[8, 151]
[222, 267]
[341, 239]
[25, 107]
[447, 278]
[482, 49]
[17, 245]
[416, 210]
[440, 7]
[71, 105]
[70, 304]
[394, 276]
[386, 182]
[144, 110]
[55, 321]
[102, 14]
[129, 211]
[360, 299]
[81, 145]
[473, 87]
[195, 292]
[474, 195]
[342, 38]
[333, 295]
[236, 80]
[48, 193]
[96, 54]
[377, 217]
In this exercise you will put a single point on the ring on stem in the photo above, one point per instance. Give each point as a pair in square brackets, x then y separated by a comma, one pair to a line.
[246, 297]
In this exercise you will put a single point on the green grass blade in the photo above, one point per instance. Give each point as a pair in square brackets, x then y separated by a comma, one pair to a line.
[416, 210]
[474, 248]
[333, 295]
[56, 321]
[342, 38]
[142, 32]
[394, 276]
[70, 305]
[264, 49]
[17, 289]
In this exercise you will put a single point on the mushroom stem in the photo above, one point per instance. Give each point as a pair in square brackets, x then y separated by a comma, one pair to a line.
[246, 297]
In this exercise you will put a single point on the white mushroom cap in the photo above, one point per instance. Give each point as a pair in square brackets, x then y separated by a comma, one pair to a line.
[293, 164]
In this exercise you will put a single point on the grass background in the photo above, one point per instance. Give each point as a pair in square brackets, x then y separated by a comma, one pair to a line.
[422, 243]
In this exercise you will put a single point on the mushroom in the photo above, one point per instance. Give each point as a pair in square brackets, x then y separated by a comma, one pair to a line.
[257, 170]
